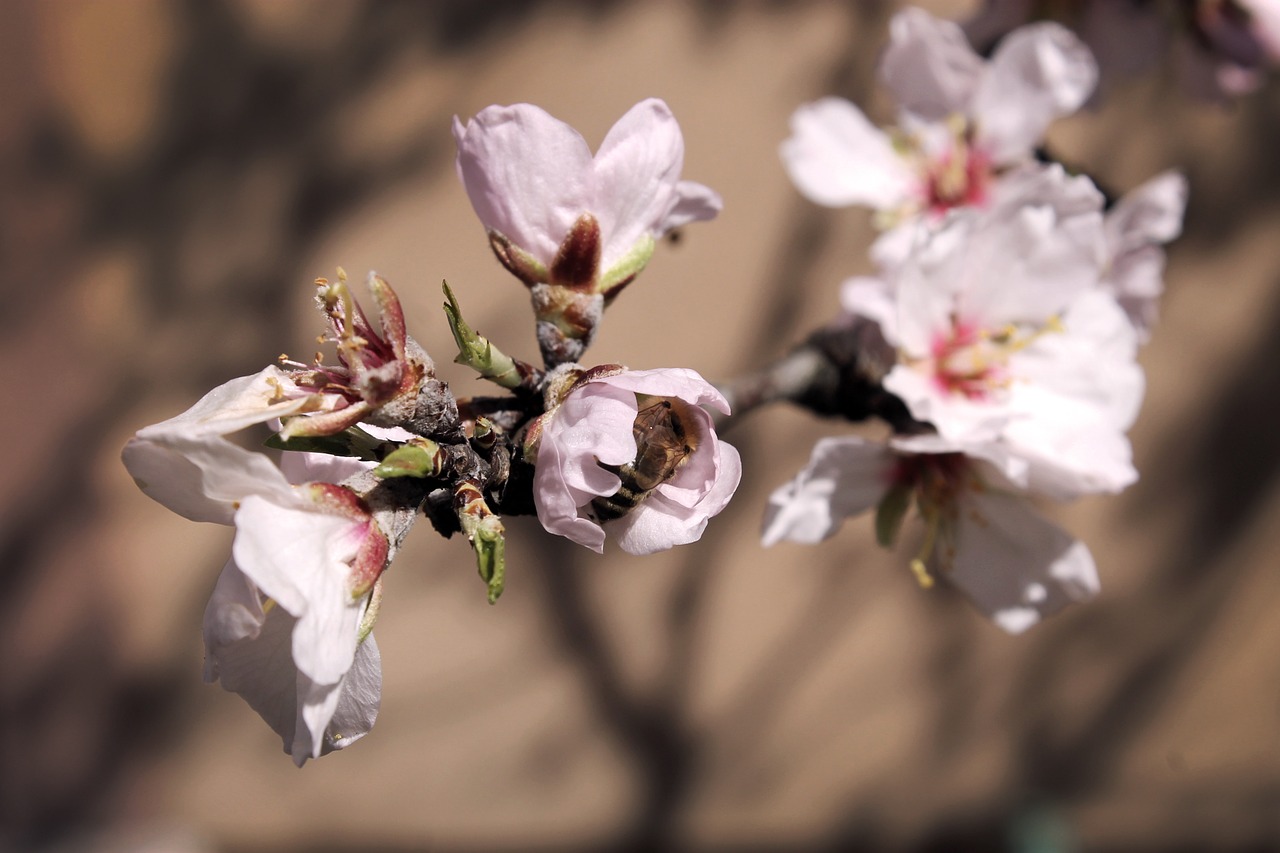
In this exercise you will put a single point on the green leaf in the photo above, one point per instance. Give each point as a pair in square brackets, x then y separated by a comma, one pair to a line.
[419, 459]
[350, 442]
[475, 350]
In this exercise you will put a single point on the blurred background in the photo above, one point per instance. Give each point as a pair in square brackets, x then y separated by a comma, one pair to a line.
[174, 176]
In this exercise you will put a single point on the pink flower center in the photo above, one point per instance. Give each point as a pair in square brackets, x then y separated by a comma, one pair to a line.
[973, 362]
[955, 175]
[965, 360]
[960, 178]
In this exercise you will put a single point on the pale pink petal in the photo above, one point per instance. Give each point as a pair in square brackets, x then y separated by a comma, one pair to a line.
[1152, 213]
[636, 172]
[201, 480]
[232, 406]
[929, 65]
[556, 503]
[845, 477]
[1017, 567]
[837, 158]
[680, 382]
[528, 175]
[659, 523]
[1038, 73]
[694, 203]
[594, 424]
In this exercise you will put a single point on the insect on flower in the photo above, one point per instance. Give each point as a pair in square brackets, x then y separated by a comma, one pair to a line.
[665, 438]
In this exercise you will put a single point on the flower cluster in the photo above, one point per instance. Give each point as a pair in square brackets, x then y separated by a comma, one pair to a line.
[374, 440]
[1013, 312]
[997, 339]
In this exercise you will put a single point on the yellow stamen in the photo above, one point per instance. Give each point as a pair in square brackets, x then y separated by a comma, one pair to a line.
[932, 526]
[922, 574]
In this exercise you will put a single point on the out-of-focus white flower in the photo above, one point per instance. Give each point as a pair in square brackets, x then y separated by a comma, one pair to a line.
[284, 625]
[963, 121]
[1005, 333]
[557, 214]
[1136, 228]
[980, 533]
[633, 450]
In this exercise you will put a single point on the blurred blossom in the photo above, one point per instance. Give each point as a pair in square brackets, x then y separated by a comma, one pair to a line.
[964, 123]
[981, 534]
[1005, 333]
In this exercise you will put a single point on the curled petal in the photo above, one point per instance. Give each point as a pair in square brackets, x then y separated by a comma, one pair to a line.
[187, 465]
[661, 523]
[250, 651]
[636, 172]
[680, 382]
[301, 560]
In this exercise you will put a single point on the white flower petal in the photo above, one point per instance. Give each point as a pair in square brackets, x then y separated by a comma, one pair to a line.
[837, 158]
[185, 464]
[637, 170]
[301, 560]
[360, 698]
[694, 203]
[1016, 566]
[845, 477]
[528, 175]
[929, 65]
[1038, 73]
[232, 406]
[1152, 213]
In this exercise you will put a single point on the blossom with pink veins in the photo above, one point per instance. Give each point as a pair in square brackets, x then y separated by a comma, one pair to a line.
[287, 626]
[592, 430]
[964, 123]
[1005, 332]
[555, 213]
[981, 534]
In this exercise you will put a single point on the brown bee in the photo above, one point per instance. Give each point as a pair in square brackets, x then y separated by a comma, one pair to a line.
[665, 436]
